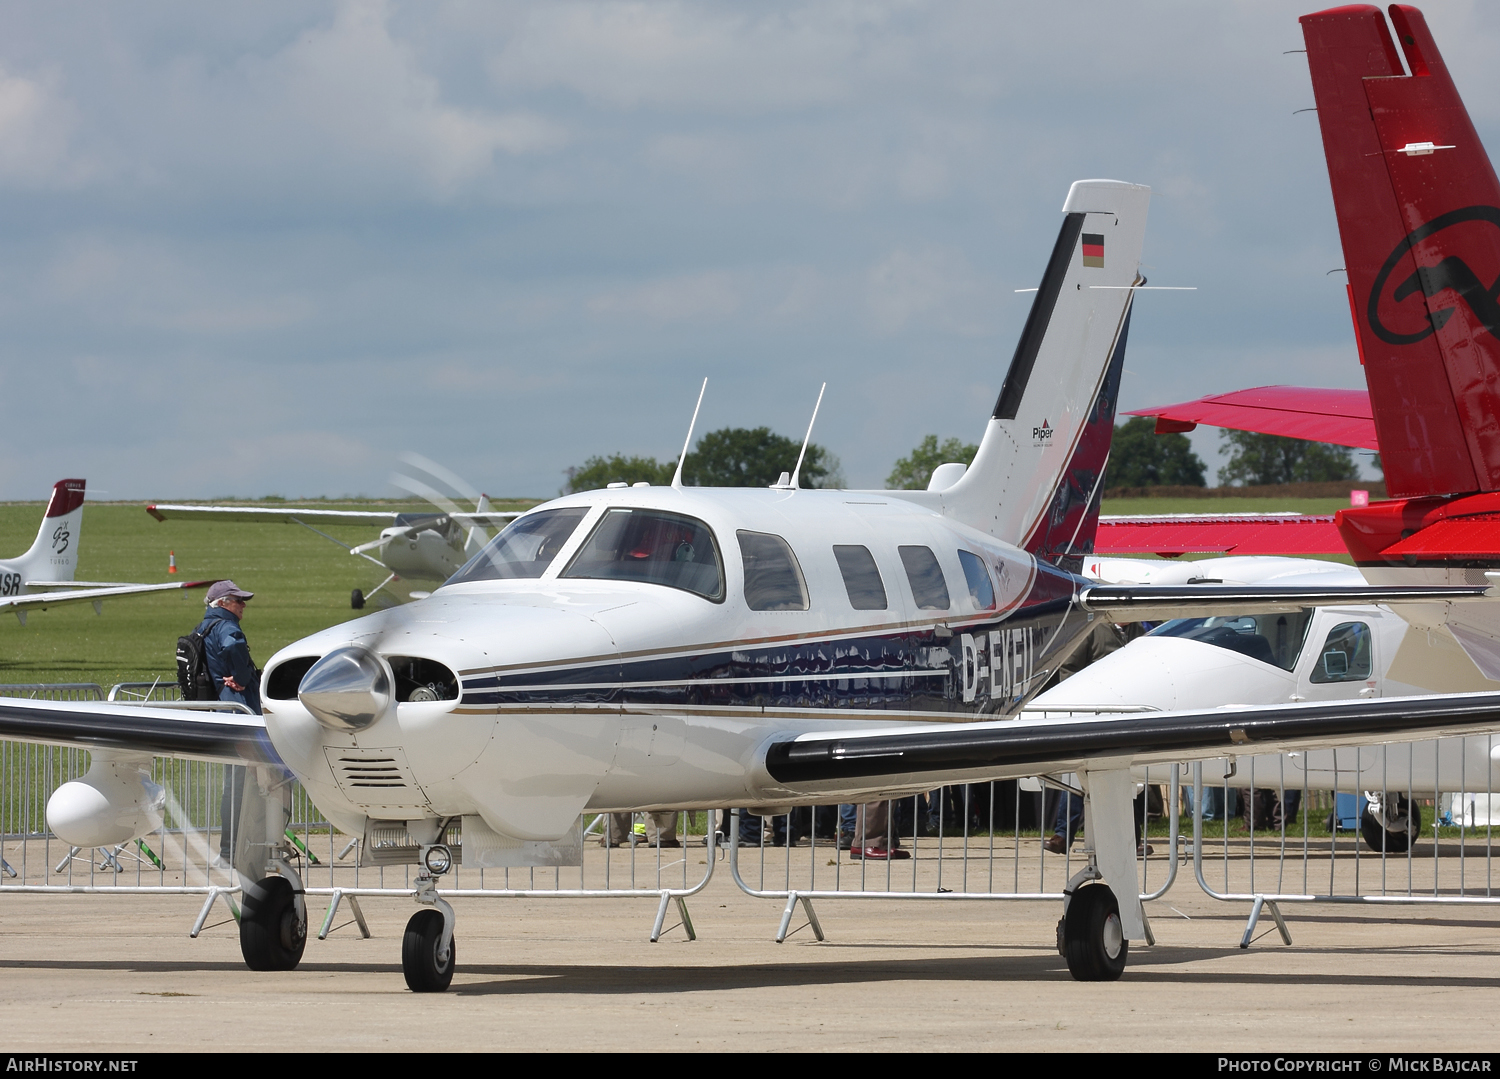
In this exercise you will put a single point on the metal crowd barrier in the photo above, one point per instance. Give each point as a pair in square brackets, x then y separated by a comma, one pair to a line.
[966, 860]
[183, 855]
[1447, 861]
[637, 869]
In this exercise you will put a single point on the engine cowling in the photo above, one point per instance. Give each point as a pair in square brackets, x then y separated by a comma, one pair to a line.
[113, 803]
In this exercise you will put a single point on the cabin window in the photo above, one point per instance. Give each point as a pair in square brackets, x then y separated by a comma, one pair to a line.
[1345, 656]
[653, 547]
[981, 588]
[1271, 638]
[525, 548]
[928, 587]
[773, 579]
[861, 577]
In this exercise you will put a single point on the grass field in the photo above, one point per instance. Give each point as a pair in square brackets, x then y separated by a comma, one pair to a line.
[301, 581]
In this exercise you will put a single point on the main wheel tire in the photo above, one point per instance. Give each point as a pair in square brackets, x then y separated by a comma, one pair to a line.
[1093, 938]
[424, 971]
[272, 936]
[1392, 840]
[357, 600]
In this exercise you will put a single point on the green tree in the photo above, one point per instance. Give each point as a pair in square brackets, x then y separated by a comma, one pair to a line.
[599, 472]
[753, 457]
[732, 457]
[1139, 457]
[912, 472]
[1271, 459]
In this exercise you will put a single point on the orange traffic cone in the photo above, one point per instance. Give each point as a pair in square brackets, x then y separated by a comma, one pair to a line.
[171, 561]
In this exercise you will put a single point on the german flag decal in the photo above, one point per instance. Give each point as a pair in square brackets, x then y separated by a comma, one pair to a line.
[1093, 249]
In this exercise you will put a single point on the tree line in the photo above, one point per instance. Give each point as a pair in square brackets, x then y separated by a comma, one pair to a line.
[757, 456]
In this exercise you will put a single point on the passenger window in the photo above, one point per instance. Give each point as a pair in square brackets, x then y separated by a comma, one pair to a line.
[654, 547]
[1345, 656]
[861, 577]
[773, 580]
[981, 588]
[927, 585]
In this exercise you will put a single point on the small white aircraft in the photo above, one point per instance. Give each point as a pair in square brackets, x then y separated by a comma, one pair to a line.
[412, 547]
[1317, 654]
[43, 576]
[666, 647]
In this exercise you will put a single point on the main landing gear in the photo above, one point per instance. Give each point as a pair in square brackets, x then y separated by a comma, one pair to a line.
[1090, 936]
[1390, 828]
[273, 924]
[273, 914]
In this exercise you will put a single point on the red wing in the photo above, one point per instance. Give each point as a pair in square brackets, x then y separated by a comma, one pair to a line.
[1230, 533]
[1342, 417]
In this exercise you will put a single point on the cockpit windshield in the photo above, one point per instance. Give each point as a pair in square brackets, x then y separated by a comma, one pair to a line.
[655, 547]
[524, 549]
[1271, 638]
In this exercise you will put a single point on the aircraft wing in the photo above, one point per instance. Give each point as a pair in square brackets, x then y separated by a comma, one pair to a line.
[488, 519]
[43, 600]
[269, 514]
[1024, 746]
[1343, 417]
[1150, 603]
[1223, 533]
[225, 737]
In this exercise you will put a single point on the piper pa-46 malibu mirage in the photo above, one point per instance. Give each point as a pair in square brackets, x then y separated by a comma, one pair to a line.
[663, 647]
[43, 576]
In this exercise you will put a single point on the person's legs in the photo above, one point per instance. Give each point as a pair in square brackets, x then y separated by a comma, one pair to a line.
[229, 809]
[661, 828]
[616, 830]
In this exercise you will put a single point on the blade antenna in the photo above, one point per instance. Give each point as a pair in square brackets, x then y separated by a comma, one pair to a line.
[797, 475]
[677, 476]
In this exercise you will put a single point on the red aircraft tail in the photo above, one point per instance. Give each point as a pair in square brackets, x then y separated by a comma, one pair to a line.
[1419, 215]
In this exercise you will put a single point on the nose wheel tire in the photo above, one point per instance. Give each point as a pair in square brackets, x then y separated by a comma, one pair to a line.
[272, 935]
[357, 600]
[425, 972]
[1408, 825]
[1093, 940]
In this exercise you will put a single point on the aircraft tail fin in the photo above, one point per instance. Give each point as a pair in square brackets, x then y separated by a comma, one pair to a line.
[1419, 217]
[1039, 473]
[54, 554]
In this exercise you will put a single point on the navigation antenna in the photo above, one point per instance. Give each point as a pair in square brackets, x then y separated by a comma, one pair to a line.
[797, 475]
[677, 476]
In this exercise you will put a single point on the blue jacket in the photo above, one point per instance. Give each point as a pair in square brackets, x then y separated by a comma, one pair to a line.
[227, 654]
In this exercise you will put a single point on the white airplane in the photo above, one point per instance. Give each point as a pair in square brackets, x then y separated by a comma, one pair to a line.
[665, 647]
[1317, 654]
[412, 547]
[43, 576]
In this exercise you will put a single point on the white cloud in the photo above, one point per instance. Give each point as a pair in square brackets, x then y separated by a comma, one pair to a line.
[35, 128]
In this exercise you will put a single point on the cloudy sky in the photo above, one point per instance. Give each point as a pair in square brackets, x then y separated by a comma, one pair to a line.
[265, 248]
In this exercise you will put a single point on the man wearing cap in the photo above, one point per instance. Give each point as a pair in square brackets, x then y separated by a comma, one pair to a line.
[226, 654]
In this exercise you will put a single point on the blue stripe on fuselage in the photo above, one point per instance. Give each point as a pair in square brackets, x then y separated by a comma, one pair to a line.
[981, 666]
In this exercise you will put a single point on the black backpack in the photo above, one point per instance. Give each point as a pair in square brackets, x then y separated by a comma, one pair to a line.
[192, 667]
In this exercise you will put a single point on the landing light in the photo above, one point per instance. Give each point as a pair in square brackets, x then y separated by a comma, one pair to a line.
[437, 859]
